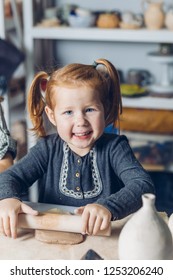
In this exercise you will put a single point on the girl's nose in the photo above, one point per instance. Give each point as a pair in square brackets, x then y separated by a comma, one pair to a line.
[80, 120]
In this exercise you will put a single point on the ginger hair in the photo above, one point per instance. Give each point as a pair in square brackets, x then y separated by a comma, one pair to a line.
[102, 76]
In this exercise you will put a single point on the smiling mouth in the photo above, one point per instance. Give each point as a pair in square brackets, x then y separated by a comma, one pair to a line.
[82, 134]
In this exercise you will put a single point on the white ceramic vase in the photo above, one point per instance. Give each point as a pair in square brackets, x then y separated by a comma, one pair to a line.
[145, 236]
[170, 223]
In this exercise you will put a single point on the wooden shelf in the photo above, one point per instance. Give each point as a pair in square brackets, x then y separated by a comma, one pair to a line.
[148, 102]
[99, 34]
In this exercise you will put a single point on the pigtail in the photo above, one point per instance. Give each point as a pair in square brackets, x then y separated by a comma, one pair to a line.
[36, 103]
[114, 102]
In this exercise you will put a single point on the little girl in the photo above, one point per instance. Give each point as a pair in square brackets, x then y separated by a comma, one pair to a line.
[79, 165]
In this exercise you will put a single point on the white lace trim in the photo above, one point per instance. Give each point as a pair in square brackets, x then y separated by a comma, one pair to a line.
[97, 183]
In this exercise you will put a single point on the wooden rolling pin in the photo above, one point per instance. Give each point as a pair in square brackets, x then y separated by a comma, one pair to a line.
[56, 222]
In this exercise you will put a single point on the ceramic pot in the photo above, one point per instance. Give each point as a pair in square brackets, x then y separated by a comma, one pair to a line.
[169, 19]
[170, 223]
[145, 236]
[154, 15]
[107, 20]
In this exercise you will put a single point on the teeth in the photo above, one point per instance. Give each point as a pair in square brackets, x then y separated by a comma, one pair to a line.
[81, 134]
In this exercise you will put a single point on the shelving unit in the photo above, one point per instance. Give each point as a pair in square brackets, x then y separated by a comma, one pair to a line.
[32, 33]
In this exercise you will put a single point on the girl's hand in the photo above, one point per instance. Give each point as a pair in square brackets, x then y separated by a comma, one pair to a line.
[95, 217]
[9, 210]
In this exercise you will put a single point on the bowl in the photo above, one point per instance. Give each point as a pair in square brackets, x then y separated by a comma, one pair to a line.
[81, 21]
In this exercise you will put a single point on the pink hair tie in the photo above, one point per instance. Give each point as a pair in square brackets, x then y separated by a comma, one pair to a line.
[43, 84]
[43, 87]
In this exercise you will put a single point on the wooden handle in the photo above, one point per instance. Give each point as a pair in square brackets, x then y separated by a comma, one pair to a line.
[56, 222]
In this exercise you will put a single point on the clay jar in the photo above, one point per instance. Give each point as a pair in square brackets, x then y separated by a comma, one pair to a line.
[145, 236]
[169, 19]
[107, 20]
[154, 15]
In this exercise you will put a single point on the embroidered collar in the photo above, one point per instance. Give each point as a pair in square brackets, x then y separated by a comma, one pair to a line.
[96, 179]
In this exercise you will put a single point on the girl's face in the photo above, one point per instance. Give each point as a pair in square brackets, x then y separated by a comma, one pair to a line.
[78, 115]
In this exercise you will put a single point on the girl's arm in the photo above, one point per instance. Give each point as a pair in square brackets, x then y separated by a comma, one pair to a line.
[6, 162]
[135, 179]
[14, 181]
[20, 176]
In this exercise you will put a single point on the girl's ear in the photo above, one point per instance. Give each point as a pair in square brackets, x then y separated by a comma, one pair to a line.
[50, 115]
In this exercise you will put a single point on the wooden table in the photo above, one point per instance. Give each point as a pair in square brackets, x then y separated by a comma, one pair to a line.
[27, 247]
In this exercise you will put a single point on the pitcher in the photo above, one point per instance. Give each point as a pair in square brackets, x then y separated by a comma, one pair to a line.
[146, 236]
[154, 15]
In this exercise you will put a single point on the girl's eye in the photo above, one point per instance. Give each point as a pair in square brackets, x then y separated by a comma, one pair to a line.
[68, 113]
[90, 109]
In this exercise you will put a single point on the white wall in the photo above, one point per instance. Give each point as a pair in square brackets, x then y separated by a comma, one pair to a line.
[122, 55]
[133, 5]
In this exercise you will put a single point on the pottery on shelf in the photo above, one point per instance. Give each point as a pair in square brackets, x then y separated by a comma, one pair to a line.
[145, 236]
[169, 19]
[130, 20]
[81, 18]
[154, 15]
[107, 20]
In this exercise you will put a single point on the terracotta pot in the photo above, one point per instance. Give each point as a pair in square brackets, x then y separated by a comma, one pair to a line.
[107, 20]
[154, 15]
[145, 236]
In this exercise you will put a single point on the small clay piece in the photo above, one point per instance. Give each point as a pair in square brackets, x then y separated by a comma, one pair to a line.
[58, 237]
